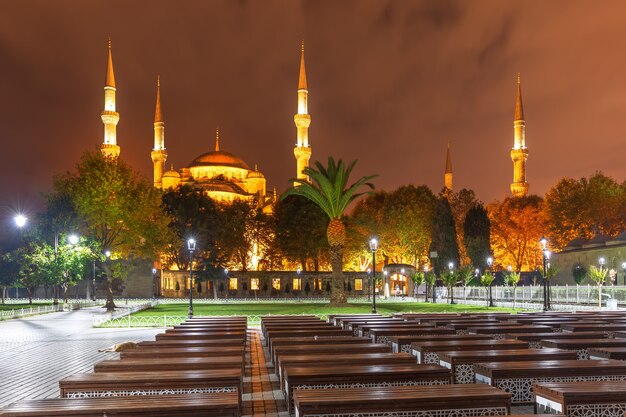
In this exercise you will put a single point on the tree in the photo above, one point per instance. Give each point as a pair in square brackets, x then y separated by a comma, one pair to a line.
[431, 279]
[486, 280]
[584, 207]
[517, 224]
[476, 229]
[330, 191]
[579, 273]
[118, 211]
[300, 229]
[460, 203]
[9, 270]
[449, 279]
[444, 237]
[307, 288]
[597, 275]
[418, 279]
[466, 276]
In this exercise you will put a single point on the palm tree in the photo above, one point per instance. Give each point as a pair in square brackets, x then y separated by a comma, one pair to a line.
[329, 190]
[450, 279]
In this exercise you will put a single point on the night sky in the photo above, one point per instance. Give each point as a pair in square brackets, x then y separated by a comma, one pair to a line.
[390, 83]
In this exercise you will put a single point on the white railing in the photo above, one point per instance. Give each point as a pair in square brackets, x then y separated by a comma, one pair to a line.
[120, 314]
[34, 310]
[168, 321]
[566, 297]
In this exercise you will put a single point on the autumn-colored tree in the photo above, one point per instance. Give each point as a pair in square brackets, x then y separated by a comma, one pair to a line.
[581, 208]
[365, 222]
[517, 224]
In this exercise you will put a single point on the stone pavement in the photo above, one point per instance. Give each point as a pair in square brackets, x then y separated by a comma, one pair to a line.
[37, 351]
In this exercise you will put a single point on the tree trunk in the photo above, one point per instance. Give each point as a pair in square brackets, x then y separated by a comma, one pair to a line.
[110, 304]
[214, 290]
[337, 293]
[4, 293]
[600, 295]
[29, 289]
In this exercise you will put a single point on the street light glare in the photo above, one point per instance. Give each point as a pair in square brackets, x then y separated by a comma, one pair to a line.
[373, 244]
[602, 261]
[73, 239]
[489, 261]
[20, 220]
[107, 253]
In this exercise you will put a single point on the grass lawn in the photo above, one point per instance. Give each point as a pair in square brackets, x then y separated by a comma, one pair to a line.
[180, 309]
[4, 307]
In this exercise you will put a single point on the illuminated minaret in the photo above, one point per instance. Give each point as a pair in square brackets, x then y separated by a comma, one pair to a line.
[519, 153]
[302, 120]
[448, 174]
[158, 154]
[109, 116]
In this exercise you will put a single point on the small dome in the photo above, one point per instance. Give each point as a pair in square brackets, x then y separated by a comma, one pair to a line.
[256, 173]
[219, 158]
[171, 174]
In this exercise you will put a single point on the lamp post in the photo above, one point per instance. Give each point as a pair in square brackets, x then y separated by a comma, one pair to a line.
[369, 284]
[191, 245]
[20, 221]
[451, 268]
[602, 262]
[624, 269]
[490, 267]
[374, 248]
[545, 256]
[298, 272]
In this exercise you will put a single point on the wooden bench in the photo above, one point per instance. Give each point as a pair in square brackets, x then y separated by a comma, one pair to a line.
[305, 360]
[201, 335]
[307, 340]
[336, 318]
[223, 404]
[581, 346]
[444, 400]
[165, 343]
[609, 328]
[123, 384]
[598, 398]
[183, 352]
[403, 343]
[384, 335]
[171, 364]
[518, 377]
[334, 376]
[500, 332]
[427, 352]
[329, 349]
[330, 332]
[461, 363]
[618, 353]
[363, 329]
[534, 339]
[463, 327]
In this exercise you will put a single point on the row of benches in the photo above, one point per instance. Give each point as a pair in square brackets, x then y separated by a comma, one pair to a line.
[317, 379]
[195, 369]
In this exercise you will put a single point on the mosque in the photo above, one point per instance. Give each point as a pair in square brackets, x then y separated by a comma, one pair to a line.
[222, 175]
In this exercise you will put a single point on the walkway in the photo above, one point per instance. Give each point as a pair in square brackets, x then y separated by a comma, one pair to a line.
[36, 352]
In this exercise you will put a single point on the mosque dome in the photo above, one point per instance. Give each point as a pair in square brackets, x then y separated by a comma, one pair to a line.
[256, 173]
[171, 174]
[219, 158]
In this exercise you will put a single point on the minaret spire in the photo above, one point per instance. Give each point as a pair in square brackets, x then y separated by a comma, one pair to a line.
[217, 139]
[302, 119]
[519, 153]
[110, 117]
[448, 174]
[158, 154]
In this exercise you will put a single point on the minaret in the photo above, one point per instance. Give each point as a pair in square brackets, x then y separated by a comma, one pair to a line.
[519, 153]
[448, 174]
[109, 116]
[217, 139]
[302, 151]
[158, 154]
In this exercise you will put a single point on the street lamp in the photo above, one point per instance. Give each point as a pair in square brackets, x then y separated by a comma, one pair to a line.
[451, 268]
[545, 255]
[490, 265]
[602, 262]
[191, 246]
[624, 269]
[298, 272]
[20, 220]
[374, 248]
[369, 287]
